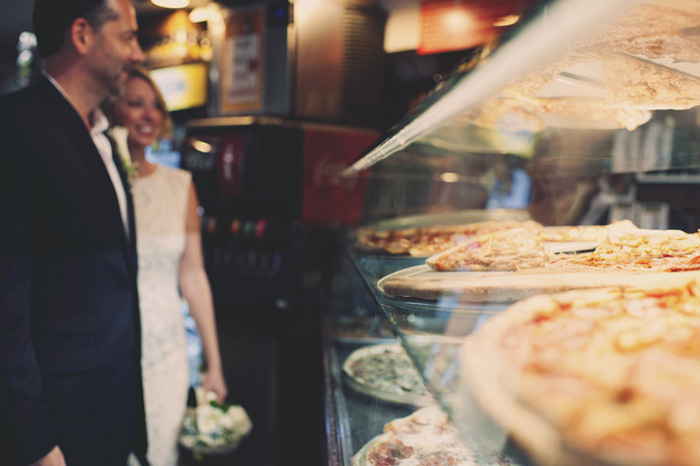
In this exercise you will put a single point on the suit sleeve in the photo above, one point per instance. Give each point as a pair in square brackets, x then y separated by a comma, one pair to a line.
[22, 408]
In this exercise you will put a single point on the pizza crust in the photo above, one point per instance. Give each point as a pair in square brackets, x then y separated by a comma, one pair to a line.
[539, 440]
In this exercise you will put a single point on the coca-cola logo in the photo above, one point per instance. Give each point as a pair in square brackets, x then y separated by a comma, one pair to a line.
[228, 160]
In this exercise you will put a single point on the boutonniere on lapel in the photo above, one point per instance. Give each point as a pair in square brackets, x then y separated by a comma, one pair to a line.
[119, 134]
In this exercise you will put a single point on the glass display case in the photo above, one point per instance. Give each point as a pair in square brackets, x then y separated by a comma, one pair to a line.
[564, 123]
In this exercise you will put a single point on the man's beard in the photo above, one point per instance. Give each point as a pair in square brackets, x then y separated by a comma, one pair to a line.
[117, 88]
[113, 83]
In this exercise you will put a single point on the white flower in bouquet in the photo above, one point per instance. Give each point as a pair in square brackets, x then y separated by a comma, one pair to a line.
[208, 419]
[212, 427]
[228, 421]
[120, 136]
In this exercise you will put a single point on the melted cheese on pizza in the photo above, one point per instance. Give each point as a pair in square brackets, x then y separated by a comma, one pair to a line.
[615, 371]
[514, 249]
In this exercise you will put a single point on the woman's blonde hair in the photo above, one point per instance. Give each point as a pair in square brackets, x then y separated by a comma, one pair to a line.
[138, 71]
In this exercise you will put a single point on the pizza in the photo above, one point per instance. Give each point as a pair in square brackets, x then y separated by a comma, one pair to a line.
[614, 77]
[424, 438]
[522, 248]
[604, 376]
[401, 241]
[645, 20]
[637, 250]
[593, 233]
[386, 372]
[424, 241]
[620, 246]
[505, 250]
[633, 82]
[576, 110]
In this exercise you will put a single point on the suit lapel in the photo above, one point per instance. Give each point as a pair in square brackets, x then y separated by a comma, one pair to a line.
[87, 151]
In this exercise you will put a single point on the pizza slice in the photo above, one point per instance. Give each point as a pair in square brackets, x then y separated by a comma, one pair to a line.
[637, 250]
[424, 438]
[508, 250]
[592, 233]
[632, 82]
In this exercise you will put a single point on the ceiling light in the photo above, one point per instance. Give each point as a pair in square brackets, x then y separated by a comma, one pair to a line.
[449, 177]
[457, 21]
[201, 146]
[200, 14]
[171, 3]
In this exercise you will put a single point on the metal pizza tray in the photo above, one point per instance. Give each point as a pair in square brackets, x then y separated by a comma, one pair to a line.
[424, 283]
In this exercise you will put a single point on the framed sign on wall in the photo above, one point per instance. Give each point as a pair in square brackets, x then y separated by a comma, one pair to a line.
[242, 63]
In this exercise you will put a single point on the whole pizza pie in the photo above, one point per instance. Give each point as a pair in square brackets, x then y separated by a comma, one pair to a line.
[424, 241]
[605, 376]
[425, 438]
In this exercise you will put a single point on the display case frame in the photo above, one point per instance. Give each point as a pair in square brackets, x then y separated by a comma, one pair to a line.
[598, 162]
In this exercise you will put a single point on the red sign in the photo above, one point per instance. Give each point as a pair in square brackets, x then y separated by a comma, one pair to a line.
[329, 197]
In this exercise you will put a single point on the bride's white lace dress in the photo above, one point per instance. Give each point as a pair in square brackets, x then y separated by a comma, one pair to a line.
[160, 203]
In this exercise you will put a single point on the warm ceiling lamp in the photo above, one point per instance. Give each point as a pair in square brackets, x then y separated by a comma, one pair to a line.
[171, 3]
[202, 13]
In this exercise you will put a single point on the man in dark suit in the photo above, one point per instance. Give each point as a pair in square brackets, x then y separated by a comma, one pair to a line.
[70, 383]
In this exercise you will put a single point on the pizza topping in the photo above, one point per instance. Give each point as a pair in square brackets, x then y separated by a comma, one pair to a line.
[506, 250]
[385, 370]
[425, 438]
[620, 246]
[390, 453]
[400, 246]
[439, 458]
[591, 233]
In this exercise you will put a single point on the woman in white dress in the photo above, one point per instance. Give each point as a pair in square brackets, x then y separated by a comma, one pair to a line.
[170, 265]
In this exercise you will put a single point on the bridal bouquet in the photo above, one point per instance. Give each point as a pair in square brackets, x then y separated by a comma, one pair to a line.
[213, 428]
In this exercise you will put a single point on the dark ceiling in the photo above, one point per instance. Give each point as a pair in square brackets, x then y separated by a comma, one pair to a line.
[16, 16]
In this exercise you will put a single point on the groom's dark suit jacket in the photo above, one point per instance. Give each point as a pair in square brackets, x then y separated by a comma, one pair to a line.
[69, 315]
